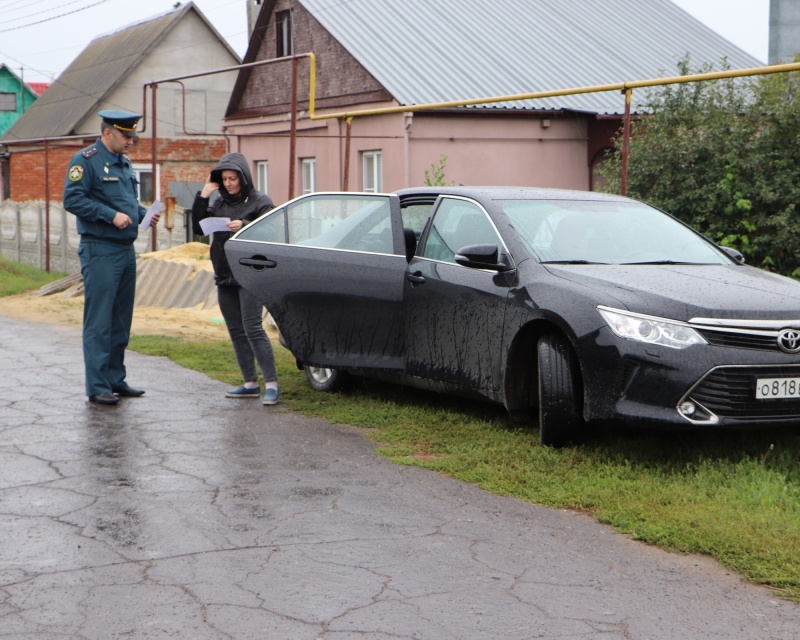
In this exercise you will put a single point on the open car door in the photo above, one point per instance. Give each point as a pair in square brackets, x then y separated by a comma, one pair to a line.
[330, 268]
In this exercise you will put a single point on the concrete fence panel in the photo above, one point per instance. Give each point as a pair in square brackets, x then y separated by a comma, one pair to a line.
[23, 236]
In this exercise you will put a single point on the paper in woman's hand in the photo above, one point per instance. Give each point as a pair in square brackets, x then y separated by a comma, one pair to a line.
[211, 225]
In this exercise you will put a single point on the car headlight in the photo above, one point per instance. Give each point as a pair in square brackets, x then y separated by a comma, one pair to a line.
[650, 329]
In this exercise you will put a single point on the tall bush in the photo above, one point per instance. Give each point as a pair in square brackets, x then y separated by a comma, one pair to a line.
[723, 156]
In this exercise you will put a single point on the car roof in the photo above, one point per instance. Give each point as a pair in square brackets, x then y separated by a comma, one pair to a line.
[511, 193]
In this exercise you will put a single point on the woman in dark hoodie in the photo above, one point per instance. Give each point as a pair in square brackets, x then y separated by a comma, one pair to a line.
[242, 203]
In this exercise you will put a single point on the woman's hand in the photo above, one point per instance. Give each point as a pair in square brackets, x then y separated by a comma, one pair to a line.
[208, 189]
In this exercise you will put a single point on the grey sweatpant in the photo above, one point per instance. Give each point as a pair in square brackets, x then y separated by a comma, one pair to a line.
[243, 317]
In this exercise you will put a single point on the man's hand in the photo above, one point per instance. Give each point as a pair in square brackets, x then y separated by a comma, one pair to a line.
[122, 220]
[235, 225]
[154, 221]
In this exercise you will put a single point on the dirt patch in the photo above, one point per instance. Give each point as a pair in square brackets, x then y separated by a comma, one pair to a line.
[188, 323]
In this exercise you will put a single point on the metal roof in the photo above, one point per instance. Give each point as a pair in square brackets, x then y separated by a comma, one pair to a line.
[426, 51]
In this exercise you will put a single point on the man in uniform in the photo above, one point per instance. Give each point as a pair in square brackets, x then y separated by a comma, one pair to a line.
[101, 191]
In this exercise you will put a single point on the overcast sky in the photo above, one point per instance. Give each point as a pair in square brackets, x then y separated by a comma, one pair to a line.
[43, 36]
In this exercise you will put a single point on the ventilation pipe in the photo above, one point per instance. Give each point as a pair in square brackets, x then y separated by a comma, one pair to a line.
[784, 30]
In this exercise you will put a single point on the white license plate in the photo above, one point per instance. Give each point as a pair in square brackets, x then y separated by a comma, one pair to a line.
[773, 388]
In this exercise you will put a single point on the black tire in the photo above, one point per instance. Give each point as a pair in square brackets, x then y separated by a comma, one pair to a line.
[560, 393]
[325, 379]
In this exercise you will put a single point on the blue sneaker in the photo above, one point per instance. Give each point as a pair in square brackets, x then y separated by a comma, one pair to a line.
[243, 392]
[270, 396]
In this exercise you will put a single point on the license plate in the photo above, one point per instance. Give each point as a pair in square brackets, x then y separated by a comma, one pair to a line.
[774, 388]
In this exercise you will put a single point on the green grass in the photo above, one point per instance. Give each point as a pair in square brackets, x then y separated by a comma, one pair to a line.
[17, 278]
[732, 495]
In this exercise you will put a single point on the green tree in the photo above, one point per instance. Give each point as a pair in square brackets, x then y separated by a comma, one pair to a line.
[723, 156]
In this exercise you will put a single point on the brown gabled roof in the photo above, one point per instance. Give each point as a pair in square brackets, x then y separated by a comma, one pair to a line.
[94, 75]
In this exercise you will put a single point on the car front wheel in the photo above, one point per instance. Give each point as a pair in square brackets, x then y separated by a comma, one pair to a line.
[560, 395]
[324, 379]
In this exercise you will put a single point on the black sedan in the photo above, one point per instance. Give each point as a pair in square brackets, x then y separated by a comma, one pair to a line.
[590, 307]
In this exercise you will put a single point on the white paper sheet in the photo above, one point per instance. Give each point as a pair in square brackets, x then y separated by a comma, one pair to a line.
[210, 225]
[156, 207]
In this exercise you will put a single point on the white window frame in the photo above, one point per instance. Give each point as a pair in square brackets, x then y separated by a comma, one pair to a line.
[308, 173]
[372, 170]
[140, 168]
[284, 35]
[262, 176]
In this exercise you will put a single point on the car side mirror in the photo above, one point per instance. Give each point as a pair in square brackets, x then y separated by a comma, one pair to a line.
[733, 253]
[482, 256]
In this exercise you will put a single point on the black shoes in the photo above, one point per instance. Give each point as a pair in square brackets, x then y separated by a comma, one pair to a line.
[128, 392]
[104, 398]
[117, 392]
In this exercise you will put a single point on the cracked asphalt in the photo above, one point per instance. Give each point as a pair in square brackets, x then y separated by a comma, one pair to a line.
[186, 515]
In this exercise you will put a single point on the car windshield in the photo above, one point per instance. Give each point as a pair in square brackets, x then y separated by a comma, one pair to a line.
[604, 232]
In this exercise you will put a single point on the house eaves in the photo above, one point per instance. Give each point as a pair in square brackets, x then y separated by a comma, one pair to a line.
[429, 52]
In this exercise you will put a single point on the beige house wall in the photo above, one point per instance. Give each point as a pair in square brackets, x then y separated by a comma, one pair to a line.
[501, 150]
[480, 149]
[189, 47]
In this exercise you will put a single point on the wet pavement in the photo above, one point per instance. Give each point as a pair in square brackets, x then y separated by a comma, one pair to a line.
[186, 515]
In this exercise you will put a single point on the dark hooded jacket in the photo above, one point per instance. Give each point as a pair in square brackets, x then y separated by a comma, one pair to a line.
[247, 205]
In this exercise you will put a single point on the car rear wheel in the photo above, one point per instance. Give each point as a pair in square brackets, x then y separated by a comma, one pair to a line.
[560, 395]
[324, 379]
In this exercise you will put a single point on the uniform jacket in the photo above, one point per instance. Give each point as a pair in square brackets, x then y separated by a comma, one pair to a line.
[98, 184]
[248, 205]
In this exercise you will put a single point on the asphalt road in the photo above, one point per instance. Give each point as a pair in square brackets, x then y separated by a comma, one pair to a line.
[183, 514]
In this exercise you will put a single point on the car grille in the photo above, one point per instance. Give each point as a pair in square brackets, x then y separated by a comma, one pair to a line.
[740, 340]
[729, 392]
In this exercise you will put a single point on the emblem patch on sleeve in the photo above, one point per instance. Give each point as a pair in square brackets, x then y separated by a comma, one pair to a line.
[75, 173]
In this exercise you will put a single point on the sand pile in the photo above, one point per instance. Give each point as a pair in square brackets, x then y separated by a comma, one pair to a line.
[66, 306]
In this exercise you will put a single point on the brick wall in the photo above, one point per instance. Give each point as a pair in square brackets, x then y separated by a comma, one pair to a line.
[27, 173]
[180, 160]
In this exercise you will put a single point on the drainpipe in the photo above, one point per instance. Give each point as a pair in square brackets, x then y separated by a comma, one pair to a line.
[406, 162]
[347, 137]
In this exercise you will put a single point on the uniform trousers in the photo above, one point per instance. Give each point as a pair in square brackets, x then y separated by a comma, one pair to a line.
[245, 322]
[109, 280]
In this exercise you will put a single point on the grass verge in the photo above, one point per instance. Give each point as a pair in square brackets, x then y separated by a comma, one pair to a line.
[16, 278]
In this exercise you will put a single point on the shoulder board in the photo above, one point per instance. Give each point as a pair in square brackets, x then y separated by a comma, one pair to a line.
[88, 153]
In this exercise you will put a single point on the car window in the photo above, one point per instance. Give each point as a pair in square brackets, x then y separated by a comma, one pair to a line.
[329, 221]
[458, 223]
[415, 216]
[268, 228]
[606, 232]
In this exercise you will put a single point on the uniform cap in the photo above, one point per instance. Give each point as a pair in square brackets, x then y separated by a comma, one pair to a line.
[124, 121]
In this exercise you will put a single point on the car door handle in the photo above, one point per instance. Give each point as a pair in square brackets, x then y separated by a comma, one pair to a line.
[258, 263]
[415, 278]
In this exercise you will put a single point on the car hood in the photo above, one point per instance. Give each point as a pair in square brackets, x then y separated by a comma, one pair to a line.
[683, 292]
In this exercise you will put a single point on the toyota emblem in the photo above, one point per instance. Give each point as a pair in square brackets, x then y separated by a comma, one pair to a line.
[789, 340]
